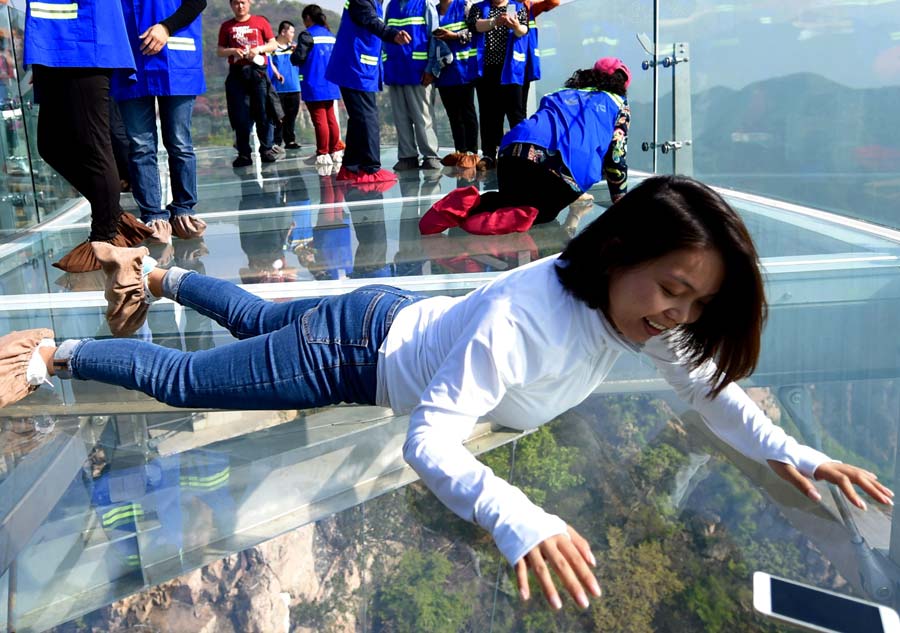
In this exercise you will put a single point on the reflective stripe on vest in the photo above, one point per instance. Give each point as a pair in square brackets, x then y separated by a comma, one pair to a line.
[182, 44]
[128, 513]
[52, 11]
[208, 483]
[518, 57]
[324, 39]
[398, 22]
[368, 60]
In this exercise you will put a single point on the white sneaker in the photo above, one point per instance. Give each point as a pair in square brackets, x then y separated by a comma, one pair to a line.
[338, 156]
[323, 159]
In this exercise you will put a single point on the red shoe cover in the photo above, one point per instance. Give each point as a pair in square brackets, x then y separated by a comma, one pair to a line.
[346, 174]
[449, 211]
[501, 221]
[382, 175]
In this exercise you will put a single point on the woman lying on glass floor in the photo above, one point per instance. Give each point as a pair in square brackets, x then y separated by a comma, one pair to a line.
[669, 271]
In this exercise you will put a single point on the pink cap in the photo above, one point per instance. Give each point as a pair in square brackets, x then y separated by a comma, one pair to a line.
[609, 65]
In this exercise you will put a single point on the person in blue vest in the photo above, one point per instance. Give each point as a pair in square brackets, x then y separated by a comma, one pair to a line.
[71, 82]
[456, 83]
[166, 40]
[410, 86]
[356, 67]
[577, 136]
[286, 80]
[500, 27]
[313, 52]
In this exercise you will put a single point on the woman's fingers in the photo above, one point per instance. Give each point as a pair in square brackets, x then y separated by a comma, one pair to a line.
[582, 546]
[569, 562]
[541, 571]
[793, 476]
[522, 578]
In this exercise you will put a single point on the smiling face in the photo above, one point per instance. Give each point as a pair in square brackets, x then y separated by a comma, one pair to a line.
[663, 293]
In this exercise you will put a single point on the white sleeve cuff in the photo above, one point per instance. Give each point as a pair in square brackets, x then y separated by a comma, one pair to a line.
[514, 540]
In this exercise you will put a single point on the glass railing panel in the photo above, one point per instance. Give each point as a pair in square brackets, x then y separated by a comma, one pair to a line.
[791, 101]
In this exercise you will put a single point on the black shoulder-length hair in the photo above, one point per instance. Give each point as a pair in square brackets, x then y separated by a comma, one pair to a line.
[315, 13]
[590, 78]
[665, 214]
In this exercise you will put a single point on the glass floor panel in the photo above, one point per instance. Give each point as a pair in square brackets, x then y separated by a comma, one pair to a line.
[104, 492]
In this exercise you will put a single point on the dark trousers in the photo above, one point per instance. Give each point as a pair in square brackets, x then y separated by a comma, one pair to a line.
[522, 182]
[284, 131]
[363, 138]
[73, 137]
[459, 102]
[245, 93]
[496, 101]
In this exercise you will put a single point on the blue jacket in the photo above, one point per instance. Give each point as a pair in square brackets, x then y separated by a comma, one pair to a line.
[356, 59]
[176, 70]
[313, 84]
[516, 49]
[404, 65]
[86, 34]
[578, 124]
[281, 60]
[465, 68]
[533, 52]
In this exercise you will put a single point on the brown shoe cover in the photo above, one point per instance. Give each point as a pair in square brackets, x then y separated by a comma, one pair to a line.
[16, 349]
[467, 161]
[126, 309]
[131, 231]
[188, 227]
[451, 160]
[81, 259]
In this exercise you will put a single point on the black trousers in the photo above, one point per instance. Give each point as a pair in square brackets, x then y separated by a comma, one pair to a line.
[459, 102]
[284, 131]
[73, 137]
[496, 101]
[522, 182]
[363, 139]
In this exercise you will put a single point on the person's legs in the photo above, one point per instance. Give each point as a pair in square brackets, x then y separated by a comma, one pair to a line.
[469, 118]
[238, 101]
[139, 117]
[450, 97]
[512, 103]
[290, 101]
[327, 355]
[400, 108]
[175, 115]
[317, 113]
[73, 137]
[334, 129]
[524, 183]
[265, 128]
[363, 131]
[490, 110]
[420, 109]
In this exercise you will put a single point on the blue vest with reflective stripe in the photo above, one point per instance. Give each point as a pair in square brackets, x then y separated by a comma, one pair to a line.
[175, 70]
[356, 59]
[464, 68]
[516, 48]
[404, 65]
[533, 51]
[281, 59]
[313, 85]
[578, 124]
[82, 33]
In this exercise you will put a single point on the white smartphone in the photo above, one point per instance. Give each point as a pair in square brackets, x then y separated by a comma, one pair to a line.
[510, 11]
[819, 610]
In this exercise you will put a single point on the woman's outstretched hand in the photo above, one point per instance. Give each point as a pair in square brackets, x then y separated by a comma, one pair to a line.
[844, 476]
[570, 557]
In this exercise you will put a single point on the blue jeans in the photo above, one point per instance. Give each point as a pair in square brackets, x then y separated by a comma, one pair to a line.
[293, 355]
[139, 117]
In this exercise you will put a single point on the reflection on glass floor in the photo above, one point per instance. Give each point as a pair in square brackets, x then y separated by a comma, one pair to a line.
[122, 493]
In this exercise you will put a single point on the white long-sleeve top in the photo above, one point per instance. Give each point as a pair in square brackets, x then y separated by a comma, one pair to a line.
[520, 351]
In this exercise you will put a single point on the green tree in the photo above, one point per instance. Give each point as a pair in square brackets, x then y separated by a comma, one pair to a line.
[419, 597]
